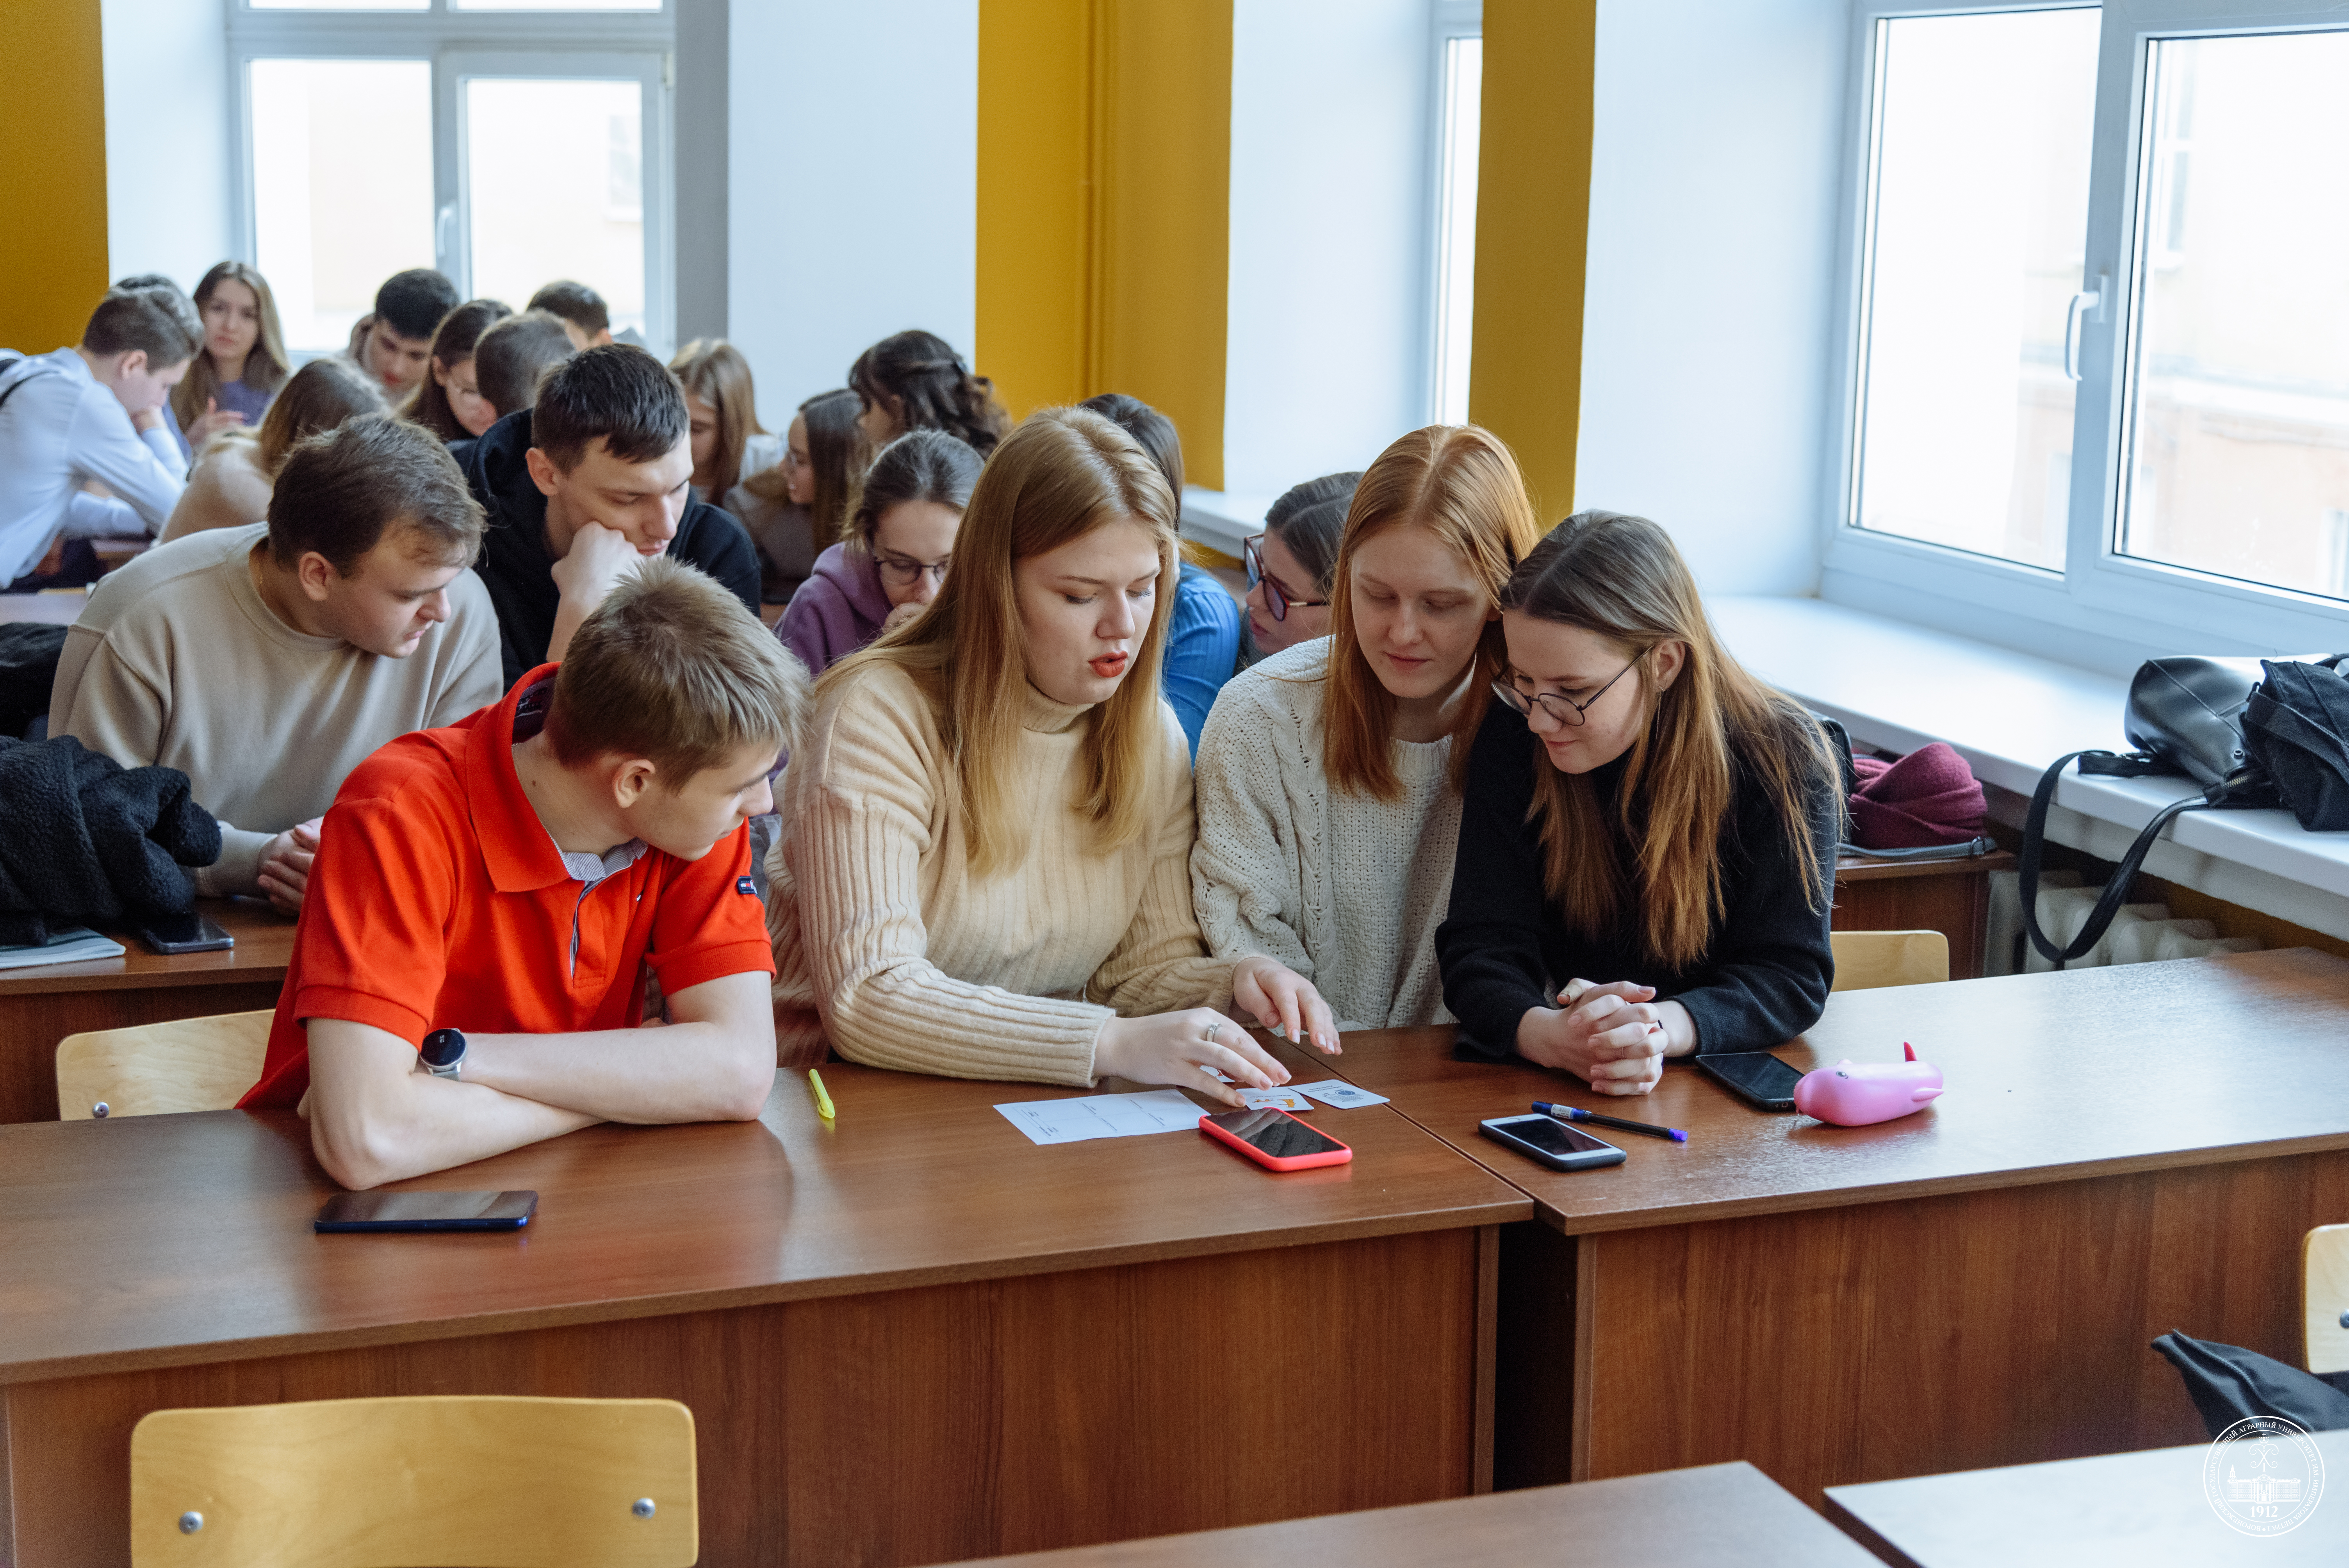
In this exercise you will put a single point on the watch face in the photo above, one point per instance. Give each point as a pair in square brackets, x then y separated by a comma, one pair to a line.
[442, 1046]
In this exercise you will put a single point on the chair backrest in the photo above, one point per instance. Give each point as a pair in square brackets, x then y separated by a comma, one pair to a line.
[430, 1481]
[2324, 1298]
[188, 1064]
[1866, 959]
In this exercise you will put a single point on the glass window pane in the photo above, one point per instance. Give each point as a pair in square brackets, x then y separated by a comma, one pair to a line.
[2240, 397]
[1979, 217]
[1456, 241]
[340, 4]
[554, 4]
[536, 217]
[342, 186]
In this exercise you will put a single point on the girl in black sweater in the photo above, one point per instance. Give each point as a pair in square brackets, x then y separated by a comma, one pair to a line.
[1646, 843]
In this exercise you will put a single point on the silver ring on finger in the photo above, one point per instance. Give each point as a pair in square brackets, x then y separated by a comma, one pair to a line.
[1212, 1031]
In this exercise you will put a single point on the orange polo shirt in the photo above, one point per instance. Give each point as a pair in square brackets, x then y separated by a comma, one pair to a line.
[438, 899]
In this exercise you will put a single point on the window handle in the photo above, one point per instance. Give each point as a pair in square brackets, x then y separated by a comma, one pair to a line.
[444, 234]
[2083, 303]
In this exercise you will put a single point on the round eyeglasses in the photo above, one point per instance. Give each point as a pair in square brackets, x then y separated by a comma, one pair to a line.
[1276, 599]
[899, 573]
[1558, 705]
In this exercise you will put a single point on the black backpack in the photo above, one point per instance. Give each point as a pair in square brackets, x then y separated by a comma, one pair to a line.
[2296, 731]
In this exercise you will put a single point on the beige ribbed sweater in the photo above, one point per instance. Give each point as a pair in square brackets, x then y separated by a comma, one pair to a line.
[886, 945]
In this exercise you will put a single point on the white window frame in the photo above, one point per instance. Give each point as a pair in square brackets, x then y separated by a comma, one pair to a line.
[461, 44]
[1448, 20]
[2100, 594]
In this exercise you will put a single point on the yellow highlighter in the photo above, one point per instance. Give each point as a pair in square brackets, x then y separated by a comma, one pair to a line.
[822, 1101]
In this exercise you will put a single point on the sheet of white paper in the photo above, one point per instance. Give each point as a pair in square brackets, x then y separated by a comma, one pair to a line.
[1103, 1116]
[79, 950]
[1275, 1100]
[1340, 1094]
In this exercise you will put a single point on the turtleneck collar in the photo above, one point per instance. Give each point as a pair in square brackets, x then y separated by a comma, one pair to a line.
[1046, 717]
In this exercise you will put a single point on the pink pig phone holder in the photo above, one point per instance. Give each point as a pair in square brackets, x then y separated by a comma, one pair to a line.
[1854, 1094]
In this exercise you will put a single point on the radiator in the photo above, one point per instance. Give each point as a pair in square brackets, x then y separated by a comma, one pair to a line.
[2139, 933]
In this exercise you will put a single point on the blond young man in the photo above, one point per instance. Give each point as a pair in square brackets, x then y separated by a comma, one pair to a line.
[469, 974]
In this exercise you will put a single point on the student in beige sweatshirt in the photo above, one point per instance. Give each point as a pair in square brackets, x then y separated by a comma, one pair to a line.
[268, 661]
[983, 866]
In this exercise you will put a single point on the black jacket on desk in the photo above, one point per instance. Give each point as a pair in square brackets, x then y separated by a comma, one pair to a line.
[1505, 948]
[520, 574]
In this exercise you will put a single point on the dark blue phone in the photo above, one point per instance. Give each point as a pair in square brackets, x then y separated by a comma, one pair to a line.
[426, 1212]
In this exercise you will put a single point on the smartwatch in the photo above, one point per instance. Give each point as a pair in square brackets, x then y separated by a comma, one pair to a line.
[444, 1053]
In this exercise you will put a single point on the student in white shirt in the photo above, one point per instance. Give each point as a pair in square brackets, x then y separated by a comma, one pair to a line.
[93, 412]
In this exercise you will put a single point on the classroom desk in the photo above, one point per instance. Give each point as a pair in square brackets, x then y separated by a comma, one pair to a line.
[1951, 897]
[910, 1337]
[1721, 1516]
[48, 609]
[2121, 1152]
[38, 1007]
[2148, 1510]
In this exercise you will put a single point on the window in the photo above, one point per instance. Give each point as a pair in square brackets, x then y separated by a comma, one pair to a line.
[2099, 355]
[507, 142]
[1459, 107]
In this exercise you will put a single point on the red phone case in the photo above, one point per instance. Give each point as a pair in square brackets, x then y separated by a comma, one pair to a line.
[1338, 1156]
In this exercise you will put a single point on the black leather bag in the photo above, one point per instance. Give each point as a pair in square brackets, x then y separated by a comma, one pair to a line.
[2185, 715]
[2296, 731]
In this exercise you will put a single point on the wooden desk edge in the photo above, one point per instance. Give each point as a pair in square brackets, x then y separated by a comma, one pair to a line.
[1843, 1519]
[1476, 1216]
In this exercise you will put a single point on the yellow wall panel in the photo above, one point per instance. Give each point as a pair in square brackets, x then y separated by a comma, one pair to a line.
[53, 171]
[1035, 223]
[1533, 224]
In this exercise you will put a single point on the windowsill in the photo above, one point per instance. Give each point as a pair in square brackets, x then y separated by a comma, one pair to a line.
[2009, 715]
[1220, 519]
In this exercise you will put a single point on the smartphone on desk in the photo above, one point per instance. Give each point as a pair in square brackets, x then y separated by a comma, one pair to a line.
[1275, 1139]
[1559, 1145]
[426, 1212]
[1757, 1076]
[190, 932]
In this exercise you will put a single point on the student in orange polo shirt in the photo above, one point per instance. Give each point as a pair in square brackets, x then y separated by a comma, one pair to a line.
[469, 974]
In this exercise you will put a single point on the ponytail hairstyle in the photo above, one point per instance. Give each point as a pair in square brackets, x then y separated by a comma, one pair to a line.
[452, 344]
[835, 451]
[1062, 474]
[920, 465]
[1461, 484]
[1309, 520]
[265, 363]
[933, 389]
[714, 370]
[322, 395]
[1619, 577]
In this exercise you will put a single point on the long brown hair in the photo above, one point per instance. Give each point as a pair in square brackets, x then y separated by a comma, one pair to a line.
[322, 395]
[1062, 474]
[452, 344]
[1619, 577]
[714, 370]
[266, 366]
[836, 452]
[1461, 484]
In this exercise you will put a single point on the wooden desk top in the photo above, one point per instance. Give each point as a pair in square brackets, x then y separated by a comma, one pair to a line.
[170, 1240]
[2143, 1508]
[2053, 1076]
[1721, 1515]
[265, 945]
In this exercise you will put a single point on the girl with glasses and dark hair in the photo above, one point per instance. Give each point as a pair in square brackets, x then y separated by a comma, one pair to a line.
[1291, 563]
[892, 564]
[1329, 779]
[1648, 842]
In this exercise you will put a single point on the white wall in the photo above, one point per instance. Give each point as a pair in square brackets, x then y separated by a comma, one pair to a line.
[1709, 318]
[853, 184]
[1326, 353]
[168, 155]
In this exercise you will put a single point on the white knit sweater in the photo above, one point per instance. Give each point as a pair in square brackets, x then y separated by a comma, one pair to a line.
[1344, 889]
[886, 943]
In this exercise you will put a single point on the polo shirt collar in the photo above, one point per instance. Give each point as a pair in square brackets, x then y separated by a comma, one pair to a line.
[515, 845]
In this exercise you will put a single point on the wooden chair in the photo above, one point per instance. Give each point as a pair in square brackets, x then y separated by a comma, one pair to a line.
[2324, 1299]
[429, 1481]
[1865, 960]
[188, 1064]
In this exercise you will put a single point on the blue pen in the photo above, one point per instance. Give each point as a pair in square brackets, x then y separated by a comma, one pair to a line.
[1575, 1113]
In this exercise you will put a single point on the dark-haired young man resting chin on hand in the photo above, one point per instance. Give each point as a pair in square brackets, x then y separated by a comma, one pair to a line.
[469, 974]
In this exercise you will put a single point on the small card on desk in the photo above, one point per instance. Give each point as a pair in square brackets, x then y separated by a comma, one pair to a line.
[1343, 1096]
[1273, 1099]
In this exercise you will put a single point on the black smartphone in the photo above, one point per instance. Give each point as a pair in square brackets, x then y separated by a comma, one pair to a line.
[426, 1212]
[1555, 1143]
[1758, 1076]
[190, 932]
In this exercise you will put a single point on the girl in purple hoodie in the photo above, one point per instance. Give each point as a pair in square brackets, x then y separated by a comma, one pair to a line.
[900, 539]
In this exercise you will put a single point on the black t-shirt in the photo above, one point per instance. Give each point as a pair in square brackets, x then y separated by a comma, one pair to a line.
[1504, 946]
[519, 572]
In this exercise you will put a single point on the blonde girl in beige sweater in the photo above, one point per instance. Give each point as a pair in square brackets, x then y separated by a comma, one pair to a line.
[983, 867]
